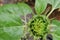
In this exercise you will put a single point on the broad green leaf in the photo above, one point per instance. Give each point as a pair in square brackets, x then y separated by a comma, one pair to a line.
[10, 20]
[19, 8]
[56, 22]
[24, 8]
[12, 8]
[11, 33]
[40, 6]
[56, 30]
[55, 3]
[10, 26]
[56, 37]
[7, 19]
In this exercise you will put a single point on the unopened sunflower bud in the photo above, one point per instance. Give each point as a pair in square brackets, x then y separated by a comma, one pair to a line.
[38, 25]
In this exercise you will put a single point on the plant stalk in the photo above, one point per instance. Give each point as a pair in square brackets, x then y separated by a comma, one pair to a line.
[47, 10]
[50, 12]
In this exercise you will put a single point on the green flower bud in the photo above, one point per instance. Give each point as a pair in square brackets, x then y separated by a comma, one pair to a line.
[38, 25]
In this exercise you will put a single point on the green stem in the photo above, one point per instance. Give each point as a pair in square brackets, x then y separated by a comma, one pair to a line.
[50, 12]
[47, 10]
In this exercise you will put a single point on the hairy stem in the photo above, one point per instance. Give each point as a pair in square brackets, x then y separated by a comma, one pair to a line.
[47, 10]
